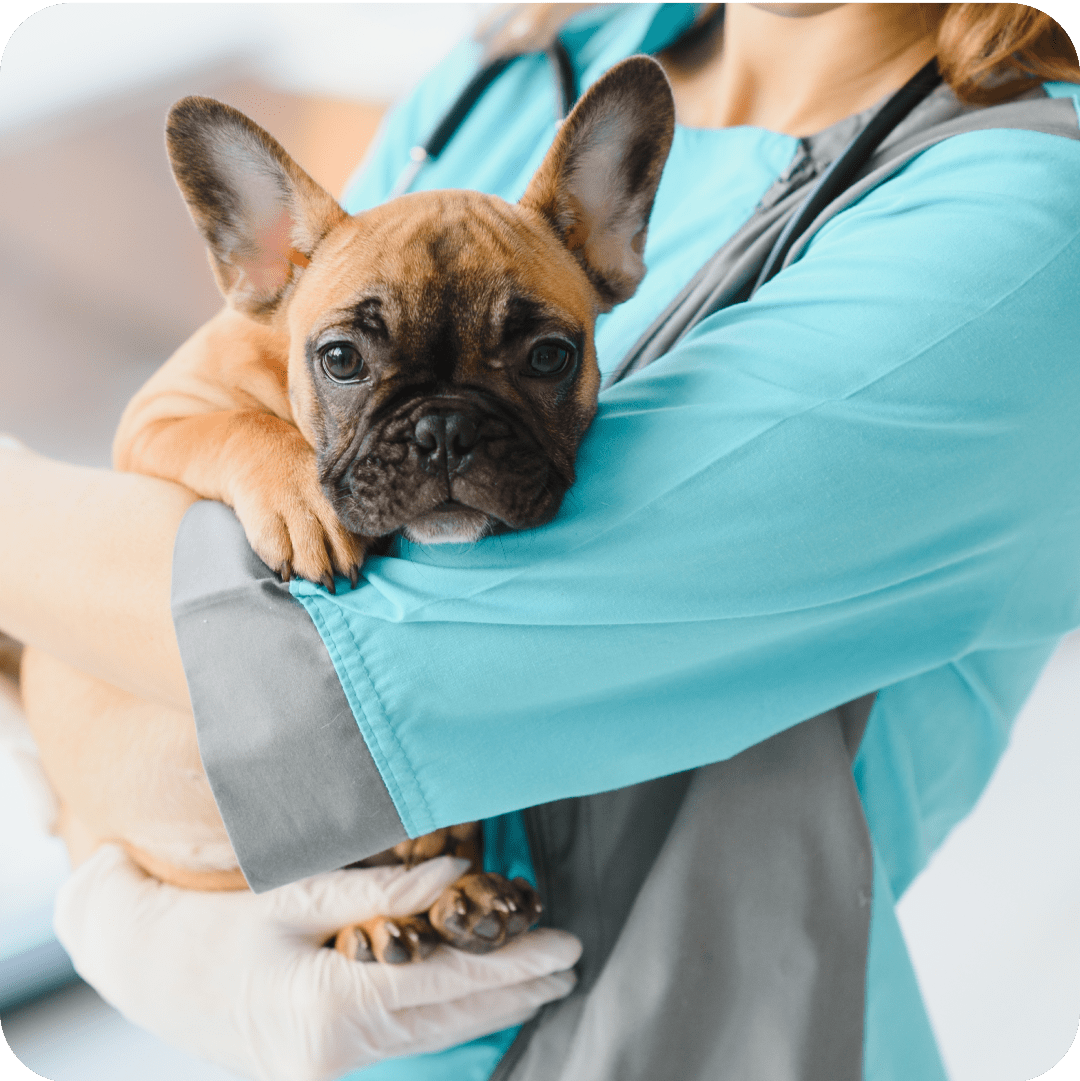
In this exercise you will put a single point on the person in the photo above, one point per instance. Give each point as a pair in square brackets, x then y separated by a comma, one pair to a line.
[765, 657]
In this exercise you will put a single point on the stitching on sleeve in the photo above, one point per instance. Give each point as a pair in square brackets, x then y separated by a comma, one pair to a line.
[378, 733]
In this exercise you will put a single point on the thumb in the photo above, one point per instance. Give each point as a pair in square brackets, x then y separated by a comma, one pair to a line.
[327, 902]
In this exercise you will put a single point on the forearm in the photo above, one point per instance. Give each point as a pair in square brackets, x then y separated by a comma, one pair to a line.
[87, 556]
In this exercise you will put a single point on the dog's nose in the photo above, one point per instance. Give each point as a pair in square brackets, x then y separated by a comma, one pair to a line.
[445, 438]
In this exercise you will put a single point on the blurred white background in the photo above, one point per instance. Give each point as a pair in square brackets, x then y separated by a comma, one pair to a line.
[102, 275]
[77, 54]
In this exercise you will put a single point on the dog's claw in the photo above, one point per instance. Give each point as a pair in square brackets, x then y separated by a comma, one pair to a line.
[354, 944]
[402, 940]
[286, 571]
[327, 582]
[354, 576]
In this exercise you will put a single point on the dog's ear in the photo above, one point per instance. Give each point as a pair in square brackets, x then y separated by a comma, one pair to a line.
[259, 212]
[597, 184]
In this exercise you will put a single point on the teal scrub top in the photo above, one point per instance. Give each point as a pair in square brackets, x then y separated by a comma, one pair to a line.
[867, 478]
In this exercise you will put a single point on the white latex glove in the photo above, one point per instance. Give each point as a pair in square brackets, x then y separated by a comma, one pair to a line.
[241, 979]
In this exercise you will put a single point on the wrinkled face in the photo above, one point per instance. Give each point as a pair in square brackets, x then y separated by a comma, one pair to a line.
[442, 366]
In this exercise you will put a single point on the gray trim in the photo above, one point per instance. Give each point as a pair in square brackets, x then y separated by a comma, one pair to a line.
[725, 915]
[1035, 111]
[728, 276]
[295, 784]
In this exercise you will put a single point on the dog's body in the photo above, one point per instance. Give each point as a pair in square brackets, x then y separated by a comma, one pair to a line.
[427, 366]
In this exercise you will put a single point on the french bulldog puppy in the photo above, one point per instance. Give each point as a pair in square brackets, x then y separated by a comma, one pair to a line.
[425, 366]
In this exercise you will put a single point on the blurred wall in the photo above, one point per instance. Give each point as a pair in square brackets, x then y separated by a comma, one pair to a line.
[102, 274]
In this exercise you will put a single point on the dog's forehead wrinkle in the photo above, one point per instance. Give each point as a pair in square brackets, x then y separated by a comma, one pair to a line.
[522, 315]
[367, 314]
[461, 229]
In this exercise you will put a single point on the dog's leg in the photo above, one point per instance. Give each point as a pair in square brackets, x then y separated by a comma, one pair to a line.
[124, 770]
[398, 940]
[216, 418]
[262, 467]
[481, 912]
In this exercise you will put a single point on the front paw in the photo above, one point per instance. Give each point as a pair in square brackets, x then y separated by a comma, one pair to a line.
[390, 940]
[293, 529]
[481, 912]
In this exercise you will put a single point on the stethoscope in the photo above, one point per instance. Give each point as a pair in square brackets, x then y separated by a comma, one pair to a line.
[839, 175]
[566, 94]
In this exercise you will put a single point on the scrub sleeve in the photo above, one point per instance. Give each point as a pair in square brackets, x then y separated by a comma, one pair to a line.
[864, 479]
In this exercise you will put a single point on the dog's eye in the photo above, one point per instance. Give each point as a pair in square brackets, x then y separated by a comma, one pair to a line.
[342, 362]
[551, 358]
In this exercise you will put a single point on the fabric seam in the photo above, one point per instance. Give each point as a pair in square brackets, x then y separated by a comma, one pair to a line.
[376, 736]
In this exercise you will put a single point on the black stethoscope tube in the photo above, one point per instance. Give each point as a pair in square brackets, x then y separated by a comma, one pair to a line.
[566, 78]
[841, 174]
[566, 93]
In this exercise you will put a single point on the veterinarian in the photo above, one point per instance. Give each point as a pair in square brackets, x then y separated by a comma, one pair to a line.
[822, 542]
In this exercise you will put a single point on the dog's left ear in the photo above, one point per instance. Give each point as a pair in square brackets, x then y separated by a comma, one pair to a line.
[260, 213]
[597, 184]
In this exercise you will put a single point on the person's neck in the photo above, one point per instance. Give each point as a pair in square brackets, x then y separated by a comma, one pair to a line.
[797, 74]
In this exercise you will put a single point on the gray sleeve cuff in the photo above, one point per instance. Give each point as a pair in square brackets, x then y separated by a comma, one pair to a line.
[293, 778]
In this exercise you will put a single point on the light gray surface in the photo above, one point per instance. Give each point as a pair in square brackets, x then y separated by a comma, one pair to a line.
[993, 924]
[31, 973]
[73, 1035]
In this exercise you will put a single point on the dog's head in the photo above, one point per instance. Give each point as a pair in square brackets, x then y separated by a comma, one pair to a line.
[441, 357]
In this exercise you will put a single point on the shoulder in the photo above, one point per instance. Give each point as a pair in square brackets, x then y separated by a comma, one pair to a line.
[943, 298]
[978, 213]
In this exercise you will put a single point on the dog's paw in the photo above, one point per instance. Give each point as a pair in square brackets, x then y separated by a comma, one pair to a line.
[420, 849]
[481, 912]
[394, 940]
[293, 529]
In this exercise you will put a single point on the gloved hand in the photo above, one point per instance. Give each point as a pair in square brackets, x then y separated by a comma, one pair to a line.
[241, 979]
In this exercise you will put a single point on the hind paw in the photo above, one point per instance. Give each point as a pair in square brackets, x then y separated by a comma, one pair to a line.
[481, 912]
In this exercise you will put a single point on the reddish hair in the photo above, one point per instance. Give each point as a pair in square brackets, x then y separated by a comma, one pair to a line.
[991, 52]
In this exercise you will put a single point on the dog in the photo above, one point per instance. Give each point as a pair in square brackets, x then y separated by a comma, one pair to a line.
[426, 367]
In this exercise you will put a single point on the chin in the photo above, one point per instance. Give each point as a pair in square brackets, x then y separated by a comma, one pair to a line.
[449, 525]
